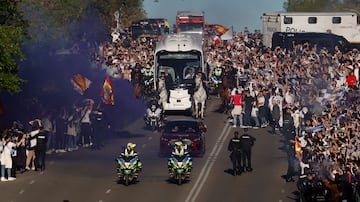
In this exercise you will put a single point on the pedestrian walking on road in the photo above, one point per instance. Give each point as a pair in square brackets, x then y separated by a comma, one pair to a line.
[237, 110]
[247, 142]
[235, 156]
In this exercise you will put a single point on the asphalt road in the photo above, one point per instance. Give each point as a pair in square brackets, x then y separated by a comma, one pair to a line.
[89, 176]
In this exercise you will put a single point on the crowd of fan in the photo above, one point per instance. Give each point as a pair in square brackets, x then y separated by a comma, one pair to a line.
[23, 147]
[326, 125]
[315, 91]
[120, 56]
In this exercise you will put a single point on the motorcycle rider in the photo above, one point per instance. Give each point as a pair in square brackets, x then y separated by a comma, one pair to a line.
[179, 152]
[130, 152]
[179, 149]
[235, 148]
[154, 106]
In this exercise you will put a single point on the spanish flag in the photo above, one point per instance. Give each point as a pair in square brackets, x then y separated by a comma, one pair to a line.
[107, 93]
[80, 83]
[221, 29]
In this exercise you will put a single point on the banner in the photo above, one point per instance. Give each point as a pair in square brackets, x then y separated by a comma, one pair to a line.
[107, 94]
[80, 83]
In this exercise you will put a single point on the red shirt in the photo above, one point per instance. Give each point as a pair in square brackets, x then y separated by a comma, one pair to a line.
[237, 99]
[351, 80]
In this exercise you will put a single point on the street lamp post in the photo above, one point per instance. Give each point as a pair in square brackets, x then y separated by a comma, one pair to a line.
[117, 19]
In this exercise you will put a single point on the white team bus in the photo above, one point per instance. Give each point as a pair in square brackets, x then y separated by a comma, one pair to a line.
[341, 23]
[179, 54]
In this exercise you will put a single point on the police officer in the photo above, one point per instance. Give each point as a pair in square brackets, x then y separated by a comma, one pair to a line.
[129, 150]
[247, 142]
[99, 127]
[218, 70]
[288, 123]
[147, 71]
[290, 150]
[235, 148]
[179, 149]
[40, 150]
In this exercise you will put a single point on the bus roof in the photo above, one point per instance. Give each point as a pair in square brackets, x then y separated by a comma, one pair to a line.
[189, 13]
[179, 42]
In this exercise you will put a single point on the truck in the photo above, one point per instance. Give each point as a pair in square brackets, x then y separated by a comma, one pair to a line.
[340, 23]
[150, 27]
[287, 40]
[190, 22]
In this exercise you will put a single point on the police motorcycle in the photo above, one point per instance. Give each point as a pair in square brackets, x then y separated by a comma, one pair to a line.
[154, 115]
[179, 164]
[128, 167]
[215, 79]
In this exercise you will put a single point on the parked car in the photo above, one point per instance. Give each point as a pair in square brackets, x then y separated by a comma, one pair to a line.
[190, 131]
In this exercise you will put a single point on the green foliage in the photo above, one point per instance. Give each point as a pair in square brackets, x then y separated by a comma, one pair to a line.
[53, 20]
[51, 23]
[322, 6]
[12, 33]
[130, 10]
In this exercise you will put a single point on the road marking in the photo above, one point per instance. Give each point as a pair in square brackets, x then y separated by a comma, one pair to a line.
[21, 191]
[108, 191]
[150, 138]
[205, 171]
[32, 182]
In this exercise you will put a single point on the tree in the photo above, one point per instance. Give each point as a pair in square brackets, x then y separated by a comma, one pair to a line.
[130, 10]
[12, 33]
[322, 5]
[52, 24]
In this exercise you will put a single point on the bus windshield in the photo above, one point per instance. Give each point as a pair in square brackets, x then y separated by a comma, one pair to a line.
[181, 66]
[183, 27]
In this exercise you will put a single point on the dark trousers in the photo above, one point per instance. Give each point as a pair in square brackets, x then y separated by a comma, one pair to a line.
[97, 138]
[21, 158]
[40, 158]
[291, 163]
[247, 117]
[14, 165]
[246, 158]
[236, 160]
[85, 134]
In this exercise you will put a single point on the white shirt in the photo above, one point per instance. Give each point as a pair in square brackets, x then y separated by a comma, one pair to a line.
[86, 118]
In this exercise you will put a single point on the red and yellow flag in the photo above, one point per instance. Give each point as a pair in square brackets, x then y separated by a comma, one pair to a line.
[107, 94]
[80, 83]
[220, 29]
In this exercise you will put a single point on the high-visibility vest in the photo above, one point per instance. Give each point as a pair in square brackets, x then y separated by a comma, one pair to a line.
[147, 72]
[218, 71]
